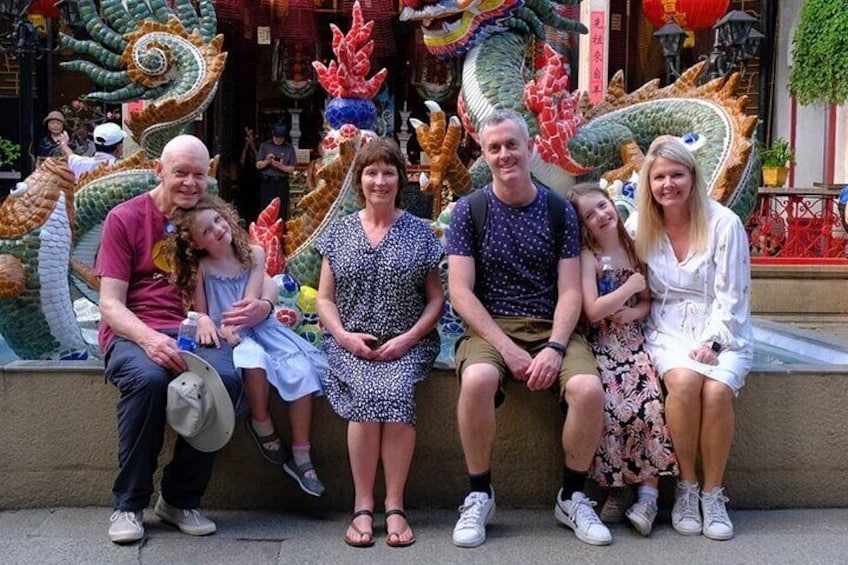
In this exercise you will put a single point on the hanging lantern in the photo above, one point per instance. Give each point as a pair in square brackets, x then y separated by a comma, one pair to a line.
[691, 15]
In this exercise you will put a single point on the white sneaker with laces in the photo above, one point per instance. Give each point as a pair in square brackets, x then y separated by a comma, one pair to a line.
[191, 522]
[126, 526]
[717, 525]
[685, 515]
[578, 513]
[474, 514]
[642, 516]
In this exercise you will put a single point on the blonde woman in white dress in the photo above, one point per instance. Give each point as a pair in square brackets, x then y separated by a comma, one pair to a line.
[698, 332]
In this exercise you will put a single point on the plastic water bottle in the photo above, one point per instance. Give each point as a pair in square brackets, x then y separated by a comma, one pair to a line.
[187, 338]
[606, 282]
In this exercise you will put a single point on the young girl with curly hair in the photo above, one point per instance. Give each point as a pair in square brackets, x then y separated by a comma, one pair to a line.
[215, 266]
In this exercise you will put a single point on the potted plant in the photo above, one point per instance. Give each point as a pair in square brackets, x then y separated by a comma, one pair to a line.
[776, 159]
[10, 152]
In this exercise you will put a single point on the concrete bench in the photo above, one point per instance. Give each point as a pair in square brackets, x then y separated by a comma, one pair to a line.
[58, 437]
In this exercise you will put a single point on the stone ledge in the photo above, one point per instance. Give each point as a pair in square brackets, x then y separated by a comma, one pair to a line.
[58, 437]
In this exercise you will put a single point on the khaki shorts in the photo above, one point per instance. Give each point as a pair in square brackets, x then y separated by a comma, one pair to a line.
[531, 335]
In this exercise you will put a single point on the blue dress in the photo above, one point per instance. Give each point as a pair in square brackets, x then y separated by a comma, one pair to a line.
[291, 364]
[380, 291]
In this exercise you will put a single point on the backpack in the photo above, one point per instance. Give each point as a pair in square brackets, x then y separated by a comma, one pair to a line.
[478, 205]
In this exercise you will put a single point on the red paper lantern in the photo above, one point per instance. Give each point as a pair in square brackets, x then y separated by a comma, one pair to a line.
[691, 15]
[45, 8]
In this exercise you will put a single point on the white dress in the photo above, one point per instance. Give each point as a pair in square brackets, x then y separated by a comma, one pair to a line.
[704, 298]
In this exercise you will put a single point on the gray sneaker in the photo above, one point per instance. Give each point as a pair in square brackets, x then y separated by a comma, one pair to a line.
[717, 523]
[578, 513]
[126, 526]
[642, 516]
[618, 500]
[308, 484]
[685, 515]
[191, 522]
[474, 514]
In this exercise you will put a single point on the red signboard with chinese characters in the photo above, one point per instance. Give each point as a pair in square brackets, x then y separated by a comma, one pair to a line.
[597, 56]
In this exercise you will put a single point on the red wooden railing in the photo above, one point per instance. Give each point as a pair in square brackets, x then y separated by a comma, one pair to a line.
[797, 227]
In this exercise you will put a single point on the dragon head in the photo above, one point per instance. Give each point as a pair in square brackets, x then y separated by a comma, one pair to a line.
[452, 27]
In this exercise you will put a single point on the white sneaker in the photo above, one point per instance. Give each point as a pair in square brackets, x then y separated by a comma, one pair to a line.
[126, 526]
[579, 515]
[685, 516]
[717, 523]
[642, 516]
[474, 514]
[191, 522]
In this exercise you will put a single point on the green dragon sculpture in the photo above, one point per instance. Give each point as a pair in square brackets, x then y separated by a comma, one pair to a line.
[575, 140]
[169, 56]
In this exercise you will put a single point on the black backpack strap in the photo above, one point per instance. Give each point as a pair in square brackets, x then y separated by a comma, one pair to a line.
[478, 205]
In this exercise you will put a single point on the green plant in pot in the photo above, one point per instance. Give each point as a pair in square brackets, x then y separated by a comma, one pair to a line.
[776, 159]
[10, 152]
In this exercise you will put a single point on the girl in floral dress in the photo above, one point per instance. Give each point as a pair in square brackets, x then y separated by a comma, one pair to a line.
[636, 446]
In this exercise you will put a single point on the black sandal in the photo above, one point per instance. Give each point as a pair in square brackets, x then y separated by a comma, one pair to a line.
[369, 540]
[393, 538]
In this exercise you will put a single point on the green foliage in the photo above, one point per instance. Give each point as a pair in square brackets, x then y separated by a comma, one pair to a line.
[820, 53]
[10, 152]
[778, 154]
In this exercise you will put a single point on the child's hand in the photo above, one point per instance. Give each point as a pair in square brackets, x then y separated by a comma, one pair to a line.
[230, 335]
[625, 315]
[207, 334]
[635, 283]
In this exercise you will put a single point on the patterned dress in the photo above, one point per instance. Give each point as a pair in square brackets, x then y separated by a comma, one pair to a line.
[635, 444]
[380, 291]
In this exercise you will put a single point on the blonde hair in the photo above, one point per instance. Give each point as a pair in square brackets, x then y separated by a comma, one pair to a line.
[586, 188]
[650, 227]
[185, 256]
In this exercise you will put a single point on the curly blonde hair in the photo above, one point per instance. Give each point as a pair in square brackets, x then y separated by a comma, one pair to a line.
[185, 256]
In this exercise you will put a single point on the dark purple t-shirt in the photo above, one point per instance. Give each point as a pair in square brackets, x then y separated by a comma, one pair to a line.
[130, 251]
[516, 272]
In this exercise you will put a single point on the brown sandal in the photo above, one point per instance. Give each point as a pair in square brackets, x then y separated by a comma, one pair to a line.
[393, 538]
[359, 542]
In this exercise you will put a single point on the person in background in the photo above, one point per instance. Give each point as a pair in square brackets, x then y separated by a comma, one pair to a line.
[82, 143]
[49, 145]
[379, 297]
[276, 160]
[635, 448]
[109, 147]
[699, 332]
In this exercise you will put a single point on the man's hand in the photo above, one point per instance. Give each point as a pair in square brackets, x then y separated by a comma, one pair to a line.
[163, 351]
[518, 362]
[544, 369]
[246, 313]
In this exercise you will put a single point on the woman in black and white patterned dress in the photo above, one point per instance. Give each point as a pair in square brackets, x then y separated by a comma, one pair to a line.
[379, 297]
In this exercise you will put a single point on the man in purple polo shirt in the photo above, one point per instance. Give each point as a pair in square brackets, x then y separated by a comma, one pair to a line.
[517, 287]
